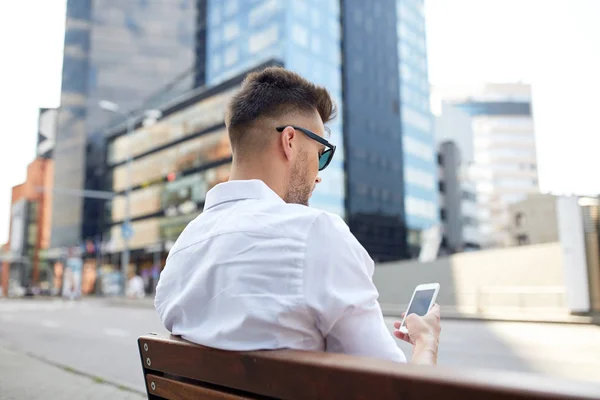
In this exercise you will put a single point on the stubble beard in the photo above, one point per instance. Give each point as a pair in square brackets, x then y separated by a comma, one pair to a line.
[299, 189]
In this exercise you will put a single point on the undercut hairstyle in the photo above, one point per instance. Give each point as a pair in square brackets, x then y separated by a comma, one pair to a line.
[271, 93]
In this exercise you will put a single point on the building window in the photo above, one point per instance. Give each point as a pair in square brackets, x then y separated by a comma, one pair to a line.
[316, 44]
[442, 187]
[231, 56]
[263, 39]
[421, 208]
[418, 148]
[519, 219]
[300, 35]
[215, 15]
[260, 13]
[443, 214]
[315, 17]
[231, 7]
[232, 30]
[440, 159]
[419, 177]
[416, 119]
[216, 62]
[300, 7]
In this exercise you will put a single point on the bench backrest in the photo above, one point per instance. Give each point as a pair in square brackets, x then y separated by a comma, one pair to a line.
[176, 369]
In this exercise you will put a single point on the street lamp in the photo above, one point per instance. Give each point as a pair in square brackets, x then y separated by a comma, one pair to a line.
[150, 118]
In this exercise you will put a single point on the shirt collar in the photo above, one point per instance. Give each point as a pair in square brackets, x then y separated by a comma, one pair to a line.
[240, 190]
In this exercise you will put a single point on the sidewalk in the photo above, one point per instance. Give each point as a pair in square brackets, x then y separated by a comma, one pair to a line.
[25, 377]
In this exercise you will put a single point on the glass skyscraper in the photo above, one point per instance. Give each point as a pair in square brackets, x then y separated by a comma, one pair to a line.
[121, 51]
[420, 165]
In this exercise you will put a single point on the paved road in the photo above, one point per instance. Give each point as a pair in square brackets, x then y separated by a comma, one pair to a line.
[25, 377]
[99, 339]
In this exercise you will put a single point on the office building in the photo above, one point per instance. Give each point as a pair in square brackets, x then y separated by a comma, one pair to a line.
[383, 178]
[29, 227]
[120, 51]
[504, 166]
[458, 203]
[390, 145]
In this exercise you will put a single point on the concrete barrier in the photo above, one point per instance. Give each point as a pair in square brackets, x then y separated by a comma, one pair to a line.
[527, 279]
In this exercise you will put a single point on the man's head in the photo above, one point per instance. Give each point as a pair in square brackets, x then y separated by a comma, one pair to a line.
[270, 121]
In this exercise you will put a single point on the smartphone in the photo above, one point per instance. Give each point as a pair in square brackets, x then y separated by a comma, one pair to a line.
[422, 300]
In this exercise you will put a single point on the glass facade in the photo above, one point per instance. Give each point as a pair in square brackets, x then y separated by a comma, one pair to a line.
[420, 167]
[69, 151]
[137, 47]
[373, 129]
[121, 51]
[305, 35]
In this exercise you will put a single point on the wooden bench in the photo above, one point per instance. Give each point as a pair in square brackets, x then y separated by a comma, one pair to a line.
[176, 369]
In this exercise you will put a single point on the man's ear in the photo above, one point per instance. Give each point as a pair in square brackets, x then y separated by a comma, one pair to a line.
[287, 141]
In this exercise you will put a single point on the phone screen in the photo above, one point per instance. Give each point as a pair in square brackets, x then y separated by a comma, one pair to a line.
[421, 302]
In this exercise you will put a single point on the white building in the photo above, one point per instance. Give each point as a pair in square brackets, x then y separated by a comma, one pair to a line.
[504, 167]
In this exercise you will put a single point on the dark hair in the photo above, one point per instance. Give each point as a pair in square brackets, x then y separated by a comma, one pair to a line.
[271, 93]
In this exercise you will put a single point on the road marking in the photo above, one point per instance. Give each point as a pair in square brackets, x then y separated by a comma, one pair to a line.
[50, 324]
[116, 332]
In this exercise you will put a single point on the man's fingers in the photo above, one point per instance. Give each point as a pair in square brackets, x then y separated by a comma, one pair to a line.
[434, 311]
[402, 336]
[397, 324]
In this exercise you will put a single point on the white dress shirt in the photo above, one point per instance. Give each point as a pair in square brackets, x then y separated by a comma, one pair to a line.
[253, 272]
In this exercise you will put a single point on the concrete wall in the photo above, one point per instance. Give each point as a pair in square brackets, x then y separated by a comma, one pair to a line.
[534, 219]
[523, 278]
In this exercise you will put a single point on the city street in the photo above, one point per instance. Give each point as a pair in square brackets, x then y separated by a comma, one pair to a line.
[98, 339]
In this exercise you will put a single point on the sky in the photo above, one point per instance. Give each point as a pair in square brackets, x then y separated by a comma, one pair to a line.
[552, 44]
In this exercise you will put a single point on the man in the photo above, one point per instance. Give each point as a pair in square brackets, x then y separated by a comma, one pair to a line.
[258, 269]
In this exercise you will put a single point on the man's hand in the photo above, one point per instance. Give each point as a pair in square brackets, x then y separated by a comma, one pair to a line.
[423, 333]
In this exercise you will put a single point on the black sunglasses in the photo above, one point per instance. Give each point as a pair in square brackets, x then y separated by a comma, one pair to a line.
[326, 156]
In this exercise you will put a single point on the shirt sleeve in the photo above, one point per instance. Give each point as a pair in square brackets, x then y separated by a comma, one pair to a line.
[340, 293]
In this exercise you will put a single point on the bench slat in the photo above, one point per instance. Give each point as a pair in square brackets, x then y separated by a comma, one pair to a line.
[288, 374]
[174, 390]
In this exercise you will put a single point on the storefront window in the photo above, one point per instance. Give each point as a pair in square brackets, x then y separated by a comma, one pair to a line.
[184, 156]
[196, 118]
[172, 197]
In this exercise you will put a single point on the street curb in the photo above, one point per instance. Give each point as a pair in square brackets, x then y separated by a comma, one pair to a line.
[524, 318]
[521, 320]
[76, 371]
